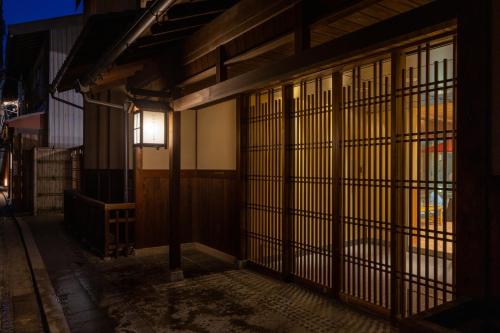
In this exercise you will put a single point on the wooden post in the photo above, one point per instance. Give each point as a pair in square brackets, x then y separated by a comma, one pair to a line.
[126, 108]
[174, 149]
[35, 187]
[397, 248]
[287, 102]
[473, 108]
[220, 69]
[241, 141]
[336, 230]
[139, 198]
[302, 35]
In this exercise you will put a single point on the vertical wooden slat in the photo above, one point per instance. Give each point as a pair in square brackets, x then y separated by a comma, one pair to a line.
[396, 244]
[285, 159]
[426, 168]
[241, 167]
[419, 171]
[336, 167]
[445, 178]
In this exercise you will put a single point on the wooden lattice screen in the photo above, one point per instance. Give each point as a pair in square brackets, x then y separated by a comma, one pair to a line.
[350, 179]
[311, 185]
[425, 182]
[263, 197]
[365, 214]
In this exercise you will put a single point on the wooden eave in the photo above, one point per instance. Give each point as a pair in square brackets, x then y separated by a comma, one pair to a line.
[433, 18]
[268, 39]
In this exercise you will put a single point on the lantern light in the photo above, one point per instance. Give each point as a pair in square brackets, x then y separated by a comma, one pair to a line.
[150, 124]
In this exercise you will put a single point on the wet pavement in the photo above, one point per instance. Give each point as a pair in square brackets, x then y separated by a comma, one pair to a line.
[19, 310]
[133, 294]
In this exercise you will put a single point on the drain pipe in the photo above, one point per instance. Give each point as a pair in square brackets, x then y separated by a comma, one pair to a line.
[151, 15]
[59, 99]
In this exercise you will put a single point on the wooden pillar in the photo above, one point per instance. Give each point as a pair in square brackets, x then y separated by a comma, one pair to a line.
[397, 248]
[174, 149]
[139, 198]
[473, 111]
[302, 35]
[286, 163]
[495, 154]
[336, 230]
[241, 165]
[220, 69]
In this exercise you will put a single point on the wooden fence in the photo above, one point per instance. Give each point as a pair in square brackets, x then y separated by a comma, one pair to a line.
[106, 228]
[54, 171]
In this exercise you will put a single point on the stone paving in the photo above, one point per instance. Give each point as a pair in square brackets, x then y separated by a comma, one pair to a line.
[19, 310]
[133, 295]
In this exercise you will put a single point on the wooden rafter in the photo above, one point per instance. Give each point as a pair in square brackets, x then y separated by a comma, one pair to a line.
[432, 17]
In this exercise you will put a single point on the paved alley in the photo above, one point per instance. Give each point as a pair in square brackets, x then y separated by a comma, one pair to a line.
[133, 295]
[19, 310]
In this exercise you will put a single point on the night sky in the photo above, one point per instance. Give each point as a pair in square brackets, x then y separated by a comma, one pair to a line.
[16, 11]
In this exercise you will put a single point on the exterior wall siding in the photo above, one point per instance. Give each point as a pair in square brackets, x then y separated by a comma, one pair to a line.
[65, 122]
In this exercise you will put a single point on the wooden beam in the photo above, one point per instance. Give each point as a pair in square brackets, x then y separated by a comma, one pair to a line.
[427, 19]
[120, 72]
[199, 8]
[273, 33]
[262, 49]
[199, 77]
[252, 42]
[181, 24]
[174, 148]
[250, 32]
[238, 19]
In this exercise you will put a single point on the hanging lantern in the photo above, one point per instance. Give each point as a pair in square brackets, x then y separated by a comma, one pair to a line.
[150, 124]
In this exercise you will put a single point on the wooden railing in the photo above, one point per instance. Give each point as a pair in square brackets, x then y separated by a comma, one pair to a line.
[106, 228]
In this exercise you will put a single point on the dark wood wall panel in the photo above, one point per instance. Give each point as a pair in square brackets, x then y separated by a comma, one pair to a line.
[155, 208]
[209, 208]
[105, 185]
[215, 210]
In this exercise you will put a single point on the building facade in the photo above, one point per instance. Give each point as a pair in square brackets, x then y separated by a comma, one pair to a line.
[348, 146]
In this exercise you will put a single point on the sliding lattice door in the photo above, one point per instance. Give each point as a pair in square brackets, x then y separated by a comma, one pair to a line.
[426, 185]
[311, 181]
[365, 215]
[360, 163]
[264, 212]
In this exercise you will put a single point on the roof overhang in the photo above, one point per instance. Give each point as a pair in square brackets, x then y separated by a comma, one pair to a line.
[99, 32]
[34, 121]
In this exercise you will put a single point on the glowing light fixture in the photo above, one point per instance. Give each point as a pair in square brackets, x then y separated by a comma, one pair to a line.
[150, 124]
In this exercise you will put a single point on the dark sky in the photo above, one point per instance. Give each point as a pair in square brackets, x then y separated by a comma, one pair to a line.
[16, 11]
